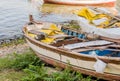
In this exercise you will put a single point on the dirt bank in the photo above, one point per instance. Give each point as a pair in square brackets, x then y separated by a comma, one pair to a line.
[20, 48]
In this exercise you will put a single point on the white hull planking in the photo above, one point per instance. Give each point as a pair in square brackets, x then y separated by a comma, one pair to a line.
[111, 68]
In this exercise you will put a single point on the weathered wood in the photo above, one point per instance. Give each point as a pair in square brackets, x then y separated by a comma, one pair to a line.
[57, 63]
[80, 62]
[87, 44]
[65, 42]
[110, 39]
[90, 48]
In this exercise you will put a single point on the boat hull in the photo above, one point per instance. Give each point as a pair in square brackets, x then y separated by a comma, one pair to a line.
[62, 58]
[108, 3]
[76, 68]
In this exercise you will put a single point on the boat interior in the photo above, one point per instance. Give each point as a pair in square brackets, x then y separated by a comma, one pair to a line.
[87, 47]
[67, 39]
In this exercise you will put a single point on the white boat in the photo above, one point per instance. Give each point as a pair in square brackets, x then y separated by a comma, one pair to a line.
[107, 3]
[80, 54]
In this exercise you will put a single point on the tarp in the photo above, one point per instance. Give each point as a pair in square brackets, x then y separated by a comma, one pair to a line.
[101, 20]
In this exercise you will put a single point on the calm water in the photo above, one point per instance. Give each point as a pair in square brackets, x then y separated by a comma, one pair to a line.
[14, 14]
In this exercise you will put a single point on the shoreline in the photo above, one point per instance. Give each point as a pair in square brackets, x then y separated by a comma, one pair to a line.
[19, 48]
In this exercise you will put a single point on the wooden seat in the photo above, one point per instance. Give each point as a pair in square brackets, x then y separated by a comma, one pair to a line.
[87, 44]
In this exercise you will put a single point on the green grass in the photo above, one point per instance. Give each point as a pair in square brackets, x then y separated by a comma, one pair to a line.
[28, 67]
[11, 66]
[19, 61]
[40, 73]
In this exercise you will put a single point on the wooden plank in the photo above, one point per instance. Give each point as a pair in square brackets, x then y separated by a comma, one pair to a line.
[89, 48]
[110, 39]
[86, 44]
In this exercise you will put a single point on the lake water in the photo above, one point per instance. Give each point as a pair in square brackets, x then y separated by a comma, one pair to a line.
[14, 14]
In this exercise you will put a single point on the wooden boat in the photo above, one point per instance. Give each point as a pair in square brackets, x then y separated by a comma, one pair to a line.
[107, 3]
[80, 53]
[106, 28]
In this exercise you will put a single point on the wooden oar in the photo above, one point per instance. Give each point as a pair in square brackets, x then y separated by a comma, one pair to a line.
[114, 46]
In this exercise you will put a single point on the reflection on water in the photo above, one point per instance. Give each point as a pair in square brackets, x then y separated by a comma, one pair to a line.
[14, 14]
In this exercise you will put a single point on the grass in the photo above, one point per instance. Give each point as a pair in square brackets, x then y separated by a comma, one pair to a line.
[28, 67]
[11, 66]
[36, 73]
[19, 61]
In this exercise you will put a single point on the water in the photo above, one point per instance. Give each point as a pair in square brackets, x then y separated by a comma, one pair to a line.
[14, 14]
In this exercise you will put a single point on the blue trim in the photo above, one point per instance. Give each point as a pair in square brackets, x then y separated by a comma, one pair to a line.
[68, 32]
[74, 34]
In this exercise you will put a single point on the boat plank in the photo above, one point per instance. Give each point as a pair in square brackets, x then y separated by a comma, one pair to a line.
[86, 44]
